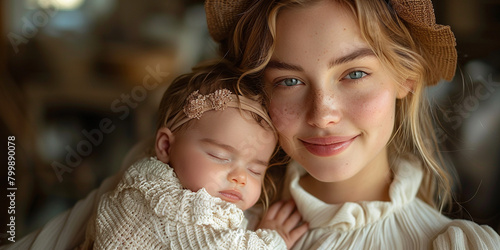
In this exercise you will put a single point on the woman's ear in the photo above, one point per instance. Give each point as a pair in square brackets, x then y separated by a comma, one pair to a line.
[405, 88]
[164, 139]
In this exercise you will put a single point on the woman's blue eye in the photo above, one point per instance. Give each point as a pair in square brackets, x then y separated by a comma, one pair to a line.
[356, 75]
[290, 82]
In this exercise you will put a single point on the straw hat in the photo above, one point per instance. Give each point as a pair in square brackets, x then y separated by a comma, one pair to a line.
[222, 16]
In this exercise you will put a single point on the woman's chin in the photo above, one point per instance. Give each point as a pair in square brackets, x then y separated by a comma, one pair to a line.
[329, 172]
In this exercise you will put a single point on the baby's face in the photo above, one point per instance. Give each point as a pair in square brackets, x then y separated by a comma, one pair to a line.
[225, 153]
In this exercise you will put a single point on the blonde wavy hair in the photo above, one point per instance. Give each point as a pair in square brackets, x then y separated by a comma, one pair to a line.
[251, 45]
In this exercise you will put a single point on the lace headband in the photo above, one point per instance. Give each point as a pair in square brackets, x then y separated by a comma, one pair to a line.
[197, 104]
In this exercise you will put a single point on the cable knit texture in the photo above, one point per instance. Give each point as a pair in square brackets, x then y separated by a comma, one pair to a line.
[404, 222]
[149, 209]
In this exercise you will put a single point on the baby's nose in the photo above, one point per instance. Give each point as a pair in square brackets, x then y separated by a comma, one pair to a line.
[238, 176]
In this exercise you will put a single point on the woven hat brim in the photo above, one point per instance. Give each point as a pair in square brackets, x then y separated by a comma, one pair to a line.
[438, 39]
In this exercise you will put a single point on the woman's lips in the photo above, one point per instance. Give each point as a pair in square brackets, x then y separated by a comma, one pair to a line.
[231, 196]
[327, 146]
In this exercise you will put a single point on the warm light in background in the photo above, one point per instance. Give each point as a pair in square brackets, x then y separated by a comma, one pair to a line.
[60, 4]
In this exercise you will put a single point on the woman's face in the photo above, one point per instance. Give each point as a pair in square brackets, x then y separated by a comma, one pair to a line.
[331, 100]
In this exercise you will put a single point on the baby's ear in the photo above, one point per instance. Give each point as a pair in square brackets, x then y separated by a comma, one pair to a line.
[164, 139]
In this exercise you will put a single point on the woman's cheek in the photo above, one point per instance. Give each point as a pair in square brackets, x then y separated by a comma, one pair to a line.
[284, 115]
[375, 110]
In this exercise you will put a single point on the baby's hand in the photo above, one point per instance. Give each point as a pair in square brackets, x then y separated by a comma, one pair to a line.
[283, 218]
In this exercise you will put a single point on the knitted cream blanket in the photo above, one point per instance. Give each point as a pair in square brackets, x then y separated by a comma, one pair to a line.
[149, 209]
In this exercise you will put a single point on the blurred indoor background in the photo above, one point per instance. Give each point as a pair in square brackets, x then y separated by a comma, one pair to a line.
[81, 81]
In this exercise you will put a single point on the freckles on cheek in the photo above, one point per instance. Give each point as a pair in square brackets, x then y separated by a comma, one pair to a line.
[283, 115]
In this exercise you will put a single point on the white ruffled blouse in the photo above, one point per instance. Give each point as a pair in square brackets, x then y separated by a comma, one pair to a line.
[404, 222]
[149, 209]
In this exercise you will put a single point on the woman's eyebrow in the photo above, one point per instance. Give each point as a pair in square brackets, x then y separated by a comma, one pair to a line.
[356, 54]
[273, 64]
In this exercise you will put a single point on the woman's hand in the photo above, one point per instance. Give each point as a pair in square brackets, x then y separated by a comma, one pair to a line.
[286, 220]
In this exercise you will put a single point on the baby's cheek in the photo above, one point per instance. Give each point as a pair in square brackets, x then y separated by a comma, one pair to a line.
[211, 181]
[254, 192]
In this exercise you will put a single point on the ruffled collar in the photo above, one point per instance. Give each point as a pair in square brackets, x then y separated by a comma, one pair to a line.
[352, 215]
[161, 188]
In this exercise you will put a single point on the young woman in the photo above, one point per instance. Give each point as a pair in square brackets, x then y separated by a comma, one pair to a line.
[345, 83]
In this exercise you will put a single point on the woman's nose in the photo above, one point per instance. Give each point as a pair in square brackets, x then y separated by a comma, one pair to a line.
[324, 109]
[238, 176]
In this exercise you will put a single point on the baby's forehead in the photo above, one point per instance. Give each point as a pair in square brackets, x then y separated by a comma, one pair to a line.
[242, 123]
[256, 118]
